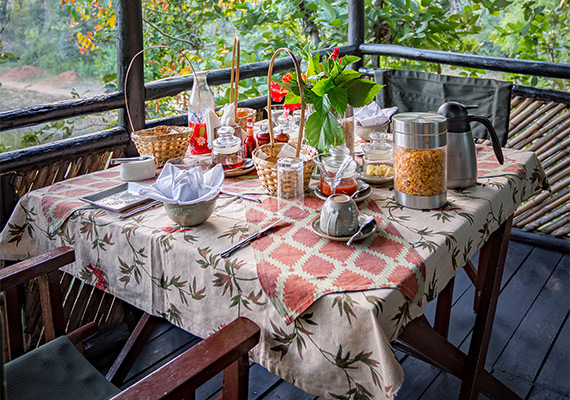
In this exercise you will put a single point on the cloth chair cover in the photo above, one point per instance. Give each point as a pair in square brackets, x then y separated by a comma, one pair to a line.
[423, 91]
[56, 370]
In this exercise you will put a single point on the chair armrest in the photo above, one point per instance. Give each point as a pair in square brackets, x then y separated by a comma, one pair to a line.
[24, 271]
[197, 364]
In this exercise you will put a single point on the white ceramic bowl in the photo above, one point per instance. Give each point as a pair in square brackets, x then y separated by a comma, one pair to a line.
[191, 215]
[363, 132]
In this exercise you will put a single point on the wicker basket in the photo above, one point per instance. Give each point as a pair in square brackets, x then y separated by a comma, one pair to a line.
[267, 168]
[163, 142]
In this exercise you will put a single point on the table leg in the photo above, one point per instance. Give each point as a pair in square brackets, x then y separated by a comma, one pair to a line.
[491, 265]
[443, 309]
[420, 339]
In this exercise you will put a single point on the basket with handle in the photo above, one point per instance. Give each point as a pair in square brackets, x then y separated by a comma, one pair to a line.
[240, 114]
[163, 142]
[267, 168]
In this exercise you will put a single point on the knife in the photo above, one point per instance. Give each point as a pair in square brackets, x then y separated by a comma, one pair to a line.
[241, 196]
[249, 239]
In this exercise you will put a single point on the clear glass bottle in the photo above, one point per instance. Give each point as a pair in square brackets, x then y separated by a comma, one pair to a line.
[378, 155]
[227, 149]
[201, 101]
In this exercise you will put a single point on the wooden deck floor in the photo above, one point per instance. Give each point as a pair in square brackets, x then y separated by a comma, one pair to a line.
[528, 350]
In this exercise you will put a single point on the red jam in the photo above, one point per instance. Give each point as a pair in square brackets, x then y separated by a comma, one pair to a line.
[346, 186]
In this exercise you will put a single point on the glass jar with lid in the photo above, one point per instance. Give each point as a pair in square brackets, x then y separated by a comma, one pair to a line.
[331, 163]
[378, 156]
[420, 151]
[227, 149]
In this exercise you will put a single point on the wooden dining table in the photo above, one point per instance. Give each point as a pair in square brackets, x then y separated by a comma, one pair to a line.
[330, 314]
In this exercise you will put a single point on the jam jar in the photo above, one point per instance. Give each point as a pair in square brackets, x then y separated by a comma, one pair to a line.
[378, 156]
[348, 182]
[227, 149]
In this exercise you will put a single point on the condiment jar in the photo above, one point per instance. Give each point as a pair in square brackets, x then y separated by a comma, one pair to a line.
[227, 149]
[420, 145]
[378, 154]
[263, 135]
[348, 182]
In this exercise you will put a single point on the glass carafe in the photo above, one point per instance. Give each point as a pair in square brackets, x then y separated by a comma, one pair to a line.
[201, 102]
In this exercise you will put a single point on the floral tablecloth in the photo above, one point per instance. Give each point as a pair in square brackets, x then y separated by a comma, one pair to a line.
[339, 346]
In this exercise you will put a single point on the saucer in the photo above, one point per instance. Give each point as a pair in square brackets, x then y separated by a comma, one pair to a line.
[367, 231]
[373, 180]
[243, 169]
[359, 197]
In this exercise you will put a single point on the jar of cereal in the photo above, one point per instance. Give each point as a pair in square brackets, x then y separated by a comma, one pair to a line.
[420, 144]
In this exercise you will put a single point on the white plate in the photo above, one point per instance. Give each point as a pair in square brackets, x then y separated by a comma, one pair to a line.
[359, 197]
[367, 231]
[373, 180]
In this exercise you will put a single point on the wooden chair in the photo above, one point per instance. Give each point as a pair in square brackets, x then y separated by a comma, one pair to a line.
[58, 368]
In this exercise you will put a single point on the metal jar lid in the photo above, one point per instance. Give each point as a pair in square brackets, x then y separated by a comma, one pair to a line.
[420, 130]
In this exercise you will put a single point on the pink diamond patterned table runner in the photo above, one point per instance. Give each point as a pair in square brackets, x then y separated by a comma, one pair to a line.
[295, 266]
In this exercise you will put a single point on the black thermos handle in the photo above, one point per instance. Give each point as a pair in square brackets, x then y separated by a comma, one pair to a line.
[494, 138]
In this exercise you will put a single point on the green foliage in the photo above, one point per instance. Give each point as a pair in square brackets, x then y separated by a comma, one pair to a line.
[55, 130]
[536, 30]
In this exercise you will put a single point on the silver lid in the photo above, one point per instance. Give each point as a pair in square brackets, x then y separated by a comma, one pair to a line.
[419, 123]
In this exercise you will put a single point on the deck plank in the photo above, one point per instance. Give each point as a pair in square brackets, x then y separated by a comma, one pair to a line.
[554, 376]
[525, 353]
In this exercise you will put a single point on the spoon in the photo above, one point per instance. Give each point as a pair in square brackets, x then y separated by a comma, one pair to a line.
[362, 189]
[367, 220]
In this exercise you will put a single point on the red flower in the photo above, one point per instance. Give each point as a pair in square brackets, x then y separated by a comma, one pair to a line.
[335, 54]
[277, 92]
[287, 77]
[291, 107]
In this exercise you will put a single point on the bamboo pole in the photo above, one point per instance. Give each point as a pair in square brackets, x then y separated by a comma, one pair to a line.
[546, 150]
[550, 217]
[556, 168]
[548, 136]
[529, 108]
[542, 127]
[564, 231]
[547, 162]
[546, 206]
[543, 195]
[536, 116]
[527, 102]
[553, 227]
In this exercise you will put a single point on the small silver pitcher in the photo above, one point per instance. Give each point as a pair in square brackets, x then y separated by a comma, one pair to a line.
[461, 154]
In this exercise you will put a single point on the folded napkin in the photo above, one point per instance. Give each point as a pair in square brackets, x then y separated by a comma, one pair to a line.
[185, 187]
[373, 115]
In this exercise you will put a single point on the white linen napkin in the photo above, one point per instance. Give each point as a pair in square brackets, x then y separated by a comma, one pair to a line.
[184, 187]
[373, 115]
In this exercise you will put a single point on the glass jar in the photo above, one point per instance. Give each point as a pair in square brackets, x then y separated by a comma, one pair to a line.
[378, 156]
[227, 149]
[348, 182]
[420, 146]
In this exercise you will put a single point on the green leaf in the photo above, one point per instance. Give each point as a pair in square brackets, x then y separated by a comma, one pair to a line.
[337, 22]
[328, 10]
[339, 99]
[362, 92]
[346, 60]
[323, 86]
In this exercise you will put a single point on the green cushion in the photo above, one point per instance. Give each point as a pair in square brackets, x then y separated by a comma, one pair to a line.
[56, 370]
[423, 91]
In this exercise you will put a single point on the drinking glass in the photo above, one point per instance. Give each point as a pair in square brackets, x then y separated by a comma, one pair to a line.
[332, 167]
[290, 188]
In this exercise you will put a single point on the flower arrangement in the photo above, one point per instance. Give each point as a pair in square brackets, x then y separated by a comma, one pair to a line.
[330, 88]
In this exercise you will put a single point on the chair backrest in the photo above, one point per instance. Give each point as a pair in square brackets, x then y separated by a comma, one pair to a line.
[45, 267]
[423, 91]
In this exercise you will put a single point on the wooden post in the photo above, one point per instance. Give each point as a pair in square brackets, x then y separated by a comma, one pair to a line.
[129, 43]
[356, 28]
